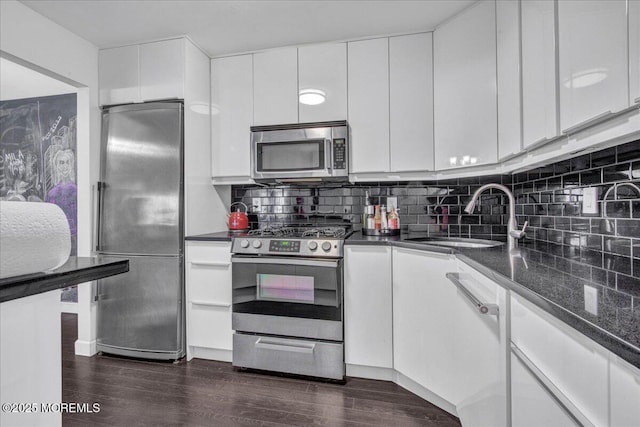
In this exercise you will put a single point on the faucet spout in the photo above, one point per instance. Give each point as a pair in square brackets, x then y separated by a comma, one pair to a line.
[513, 233]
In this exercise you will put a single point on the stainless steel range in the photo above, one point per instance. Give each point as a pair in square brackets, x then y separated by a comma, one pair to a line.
[288, 301]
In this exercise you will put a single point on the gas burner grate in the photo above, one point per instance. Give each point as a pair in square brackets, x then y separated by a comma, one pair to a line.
[282, 231]
[273, 231]
[325, 232]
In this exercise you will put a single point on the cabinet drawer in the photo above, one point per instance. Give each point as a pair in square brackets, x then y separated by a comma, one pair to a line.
[210, 283]
[303, 357]
[209, 251]
[209, 326]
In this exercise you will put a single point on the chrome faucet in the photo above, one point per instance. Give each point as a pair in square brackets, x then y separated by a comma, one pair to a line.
[512, 226]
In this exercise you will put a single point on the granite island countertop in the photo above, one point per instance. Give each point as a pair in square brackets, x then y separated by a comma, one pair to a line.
[76, 270]
[541, 272]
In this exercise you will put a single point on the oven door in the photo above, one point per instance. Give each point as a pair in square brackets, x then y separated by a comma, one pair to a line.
[287, 287]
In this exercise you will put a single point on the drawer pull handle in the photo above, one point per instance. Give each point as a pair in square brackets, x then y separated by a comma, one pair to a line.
[483, 308]
[545, 382]
[264, 344]
[211, 304]
[210, 264]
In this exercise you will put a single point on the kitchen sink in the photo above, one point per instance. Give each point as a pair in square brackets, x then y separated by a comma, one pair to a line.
[456, 242]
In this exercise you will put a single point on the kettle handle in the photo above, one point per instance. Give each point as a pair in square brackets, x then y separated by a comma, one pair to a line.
[246, 209]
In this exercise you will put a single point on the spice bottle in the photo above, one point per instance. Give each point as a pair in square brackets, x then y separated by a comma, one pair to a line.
[394, 220]
[377, 218]
[383, 217]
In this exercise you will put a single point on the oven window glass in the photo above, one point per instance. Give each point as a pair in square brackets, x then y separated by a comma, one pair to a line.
[281, 287]
[291, 156]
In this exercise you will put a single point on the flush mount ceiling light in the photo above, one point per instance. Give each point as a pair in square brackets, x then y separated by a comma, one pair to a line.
[311, 96]
[586, 78]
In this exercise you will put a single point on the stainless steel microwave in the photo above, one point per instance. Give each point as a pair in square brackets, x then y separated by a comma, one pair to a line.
[303, 152]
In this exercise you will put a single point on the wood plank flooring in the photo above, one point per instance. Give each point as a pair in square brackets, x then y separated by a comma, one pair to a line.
[207, 393]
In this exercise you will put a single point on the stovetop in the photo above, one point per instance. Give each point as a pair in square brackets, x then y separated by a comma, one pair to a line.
[305, 241]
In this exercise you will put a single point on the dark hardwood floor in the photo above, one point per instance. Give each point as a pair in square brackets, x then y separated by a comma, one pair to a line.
[206, 393]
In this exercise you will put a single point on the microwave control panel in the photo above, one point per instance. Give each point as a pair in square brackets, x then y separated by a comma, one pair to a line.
[339, 153]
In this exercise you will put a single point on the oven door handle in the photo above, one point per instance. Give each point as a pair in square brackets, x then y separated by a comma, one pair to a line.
[285, 261]
[287, 346]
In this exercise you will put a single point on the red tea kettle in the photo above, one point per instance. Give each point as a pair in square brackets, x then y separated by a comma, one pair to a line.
[238, 221]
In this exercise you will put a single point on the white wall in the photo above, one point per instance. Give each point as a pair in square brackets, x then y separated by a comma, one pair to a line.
[32, 40]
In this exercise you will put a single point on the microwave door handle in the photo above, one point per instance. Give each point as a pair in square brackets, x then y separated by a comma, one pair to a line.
[328, 148]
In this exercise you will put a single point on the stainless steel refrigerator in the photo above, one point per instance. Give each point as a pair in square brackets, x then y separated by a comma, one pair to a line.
[140, 216]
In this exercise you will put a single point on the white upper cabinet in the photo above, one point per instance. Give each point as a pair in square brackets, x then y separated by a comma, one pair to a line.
[539, 82]
[232, 115]
[465, 88]
[634, 52]
[369, 105]
[508, 68]
[119, 75]
[275, 87]
[162, 70]
[593, 67]
[411, 102]
[140, 73]
[323, 67]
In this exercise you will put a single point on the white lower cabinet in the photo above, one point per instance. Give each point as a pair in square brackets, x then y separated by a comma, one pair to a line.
[208, 298]
[571, 369]
[625, 393]
[367, 299]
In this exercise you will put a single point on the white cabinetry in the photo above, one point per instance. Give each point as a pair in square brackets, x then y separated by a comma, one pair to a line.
[561, 357]
[634, 52]
[625, 393]
[411, 102]
[593, 67]
[323, 67]
[232, 115]
[539, 81]
[208, 298]
[465, 88]
[368, 302]
[275, 90]
[508, 69]
[424, 323]
[162, 70]
[369, 105]
[140, 73]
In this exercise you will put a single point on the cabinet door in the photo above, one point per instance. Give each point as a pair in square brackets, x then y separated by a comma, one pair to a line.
[232, 101]
[465, 89]
[479, 381]
[539, 82]
[411, 102]
[162, 66]
[423, 321]
[367, 298]
[625, 393]
[119, 75]
[508, 69]
[275, 90]
[634, 52]
[369, 105]
[563, 356]
[593, 64]
[531, 404]
[324, 67]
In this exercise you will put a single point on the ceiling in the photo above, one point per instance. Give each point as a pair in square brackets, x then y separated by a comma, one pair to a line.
[226, 27]
[18, 82]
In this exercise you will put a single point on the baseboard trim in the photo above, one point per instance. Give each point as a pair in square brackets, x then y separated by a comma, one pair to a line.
[86, 348]
[68, 307]
[209, 354]
[370, 372]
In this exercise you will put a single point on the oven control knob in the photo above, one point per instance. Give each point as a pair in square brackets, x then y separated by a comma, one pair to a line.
[244, 243]
[312, 245]
[326, 246]
[257, 244]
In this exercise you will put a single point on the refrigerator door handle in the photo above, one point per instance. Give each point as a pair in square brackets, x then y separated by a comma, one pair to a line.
[97, 229]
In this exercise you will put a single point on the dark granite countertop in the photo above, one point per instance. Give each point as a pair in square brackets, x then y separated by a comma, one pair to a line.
[219, 236]
[76, 270]
[537, 272]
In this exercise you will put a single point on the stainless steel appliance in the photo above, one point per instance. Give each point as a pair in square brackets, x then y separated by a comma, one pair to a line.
[287, 308]
[140, 217]
[303, 152]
